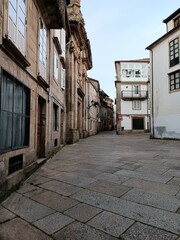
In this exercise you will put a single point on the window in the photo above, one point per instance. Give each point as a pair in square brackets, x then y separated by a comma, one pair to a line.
[56, 66]
[42, 50]
[174, 52]
[136, 89]
[174, 80]
[63, 42]
[136, 105]
[55, 117]
[135, 70]
[17, 23]
[14, 113]
[177, 22]
[63, 78]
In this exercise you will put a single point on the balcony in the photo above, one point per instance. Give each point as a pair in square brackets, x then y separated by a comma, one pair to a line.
[53, 12]
[133, 95]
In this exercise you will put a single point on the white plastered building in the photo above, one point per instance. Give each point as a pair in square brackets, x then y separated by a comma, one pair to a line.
[165, 80]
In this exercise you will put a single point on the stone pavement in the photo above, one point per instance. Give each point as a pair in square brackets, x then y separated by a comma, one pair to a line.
[104, 187]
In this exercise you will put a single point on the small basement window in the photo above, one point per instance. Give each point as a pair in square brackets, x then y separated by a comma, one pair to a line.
[15, 163]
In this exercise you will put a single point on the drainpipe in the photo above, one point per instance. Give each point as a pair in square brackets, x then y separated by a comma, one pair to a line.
[152, 95]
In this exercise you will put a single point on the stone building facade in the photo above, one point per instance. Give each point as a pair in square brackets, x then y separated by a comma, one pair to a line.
[33, 35]
[78, 62]
[93, 106]
[106, 112]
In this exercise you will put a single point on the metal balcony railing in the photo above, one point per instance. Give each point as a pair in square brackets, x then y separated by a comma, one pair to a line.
[129, 94]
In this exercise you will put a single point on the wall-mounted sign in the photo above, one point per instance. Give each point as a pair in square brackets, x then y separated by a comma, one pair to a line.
[119, 117]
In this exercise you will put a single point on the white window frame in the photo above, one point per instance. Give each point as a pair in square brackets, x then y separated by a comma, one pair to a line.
[136, 105]
[42, 50]
[63, 78]
[56, 66]
[63, 42]
[17, 23]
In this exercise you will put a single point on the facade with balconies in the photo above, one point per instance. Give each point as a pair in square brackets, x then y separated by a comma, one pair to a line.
[132, 95]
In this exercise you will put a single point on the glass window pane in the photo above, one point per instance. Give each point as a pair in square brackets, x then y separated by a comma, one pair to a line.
[5, 130]
[17, 141]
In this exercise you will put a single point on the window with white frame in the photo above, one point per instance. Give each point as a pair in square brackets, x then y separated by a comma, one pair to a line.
[63, 42]
[63, 78]
[174, 52]
[134, 70]
[56, 63]
[136, 105]
[42, 50]
[17, 23]
[174, 79]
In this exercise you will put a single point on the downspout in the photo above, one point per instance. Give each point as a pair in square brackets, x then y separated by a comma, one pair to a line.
[152, 95]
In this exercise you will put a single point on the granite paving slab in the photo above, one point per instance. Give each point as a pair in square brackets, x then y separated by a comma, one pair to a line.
[60, 187]
[174, 181]
[154, 169]
[36, 179]
[73, 179]
[53, 223]
[109, 188]
[79, 231]
[18, 229]
[172, 173]
[156, 217]
[111, 223]
[129, 166]
[55, 201]
[158, 200]
[140, 231]
[90, 173]
[5, 215]
[46, 172]
[144, 176]
[83, 212]
[26, 188]
[152, 186]
[112, 178]
[26, 208]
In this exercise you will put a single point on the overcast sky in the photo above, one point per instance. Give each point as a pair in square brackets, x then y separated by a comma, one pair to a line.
[121, 30]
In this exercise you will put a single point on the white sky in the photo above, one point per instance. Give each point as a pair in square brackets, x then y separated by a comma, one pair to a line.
[120, 30]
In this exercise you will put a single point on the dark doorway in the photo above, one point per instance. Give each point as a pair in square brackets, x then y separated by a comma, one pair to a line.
[41, 133]
[138, 123]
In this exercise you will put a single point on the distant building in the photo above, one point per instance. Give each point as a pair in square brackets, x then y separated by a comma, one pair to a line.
[165, 80]
[106, 112]
[93, 103]
[78, 62]
[132, 95]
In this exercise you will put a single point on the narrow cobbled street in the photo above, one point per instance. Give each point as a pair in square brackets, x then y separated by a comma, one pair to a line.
[104, 187]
